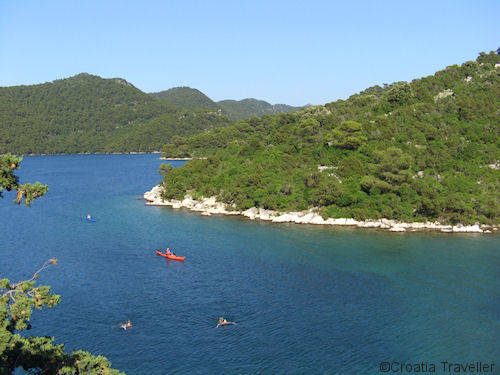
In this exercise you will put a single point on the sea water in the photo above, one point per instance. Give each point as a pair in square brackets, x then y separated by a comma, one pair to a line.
[307, 299]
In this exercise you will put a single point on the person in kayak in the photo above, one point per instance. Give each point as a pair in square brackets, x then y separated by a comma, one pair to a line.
[89, 217]
[224, 322]
[168, 252]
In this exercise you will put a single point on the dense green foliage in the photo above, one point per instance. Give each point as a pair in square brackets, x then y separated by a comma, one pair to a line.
[86, 113]
[186, 97]
[9, 181]
[424, 150]
[17, 301]
[152, 134]
[246, 108]
[236, 110]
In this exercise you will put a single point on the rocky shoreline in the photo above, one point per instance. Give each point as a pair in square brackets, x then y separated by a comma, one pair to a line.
[164, 158]
[100, 153]
[209, 206]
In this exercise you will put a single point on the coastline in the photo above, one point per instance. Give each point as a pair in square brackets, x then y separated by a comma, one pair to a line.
[209, 206]
[163, 158]
[96, 153]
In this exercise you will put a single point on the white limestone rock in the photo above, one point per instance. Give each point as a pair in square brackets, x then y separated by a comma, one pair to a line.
[251, 213]
[318, 220]
[444, 94]
[369, 224]
[153, 195]
[210, 205]
[266, 215]
[397, 228]
[350, 221]
[284, 218]
[467, 228]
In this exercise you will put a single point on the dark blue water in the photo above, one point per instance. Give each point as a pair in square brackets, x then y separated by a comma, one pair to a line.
[307, 299]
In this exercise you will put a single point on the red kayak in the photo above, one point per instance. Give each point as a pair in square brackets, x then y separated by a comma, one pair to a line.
[173, 257]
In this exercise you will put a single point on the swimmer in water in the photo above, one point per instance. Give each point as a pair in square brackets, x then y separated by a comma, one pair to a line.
[224, 322]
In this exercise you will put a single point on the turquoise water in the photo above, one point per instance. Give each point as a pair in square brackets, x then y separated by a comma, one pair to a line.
[307, 299]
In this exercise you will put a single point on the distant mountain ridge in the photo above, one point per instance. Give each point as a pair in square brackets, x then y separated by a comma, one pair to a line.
[185, 97]
[87, 114]
[236, 110]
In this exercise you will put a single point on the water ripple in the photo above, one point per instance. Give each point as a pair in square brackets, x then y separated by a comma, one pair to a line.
[307, 299]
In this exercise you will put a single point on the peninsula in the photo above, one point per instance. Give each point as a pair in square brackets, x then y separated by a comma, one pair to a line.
[411, 155]
[210, 206]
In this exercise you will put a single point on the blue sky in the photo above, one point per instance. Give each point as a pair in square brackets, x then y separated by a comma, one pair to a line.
[293, 52]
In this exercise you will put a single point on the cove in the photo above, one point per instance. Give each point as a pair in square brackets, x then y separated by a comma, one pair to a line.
[307, 299]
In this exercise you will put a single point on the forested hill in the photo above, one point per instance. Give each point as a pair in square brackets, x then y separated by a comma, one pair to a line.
[186, 97]
[246, 108]
[424, 150]
[189, 98]
[86, 113]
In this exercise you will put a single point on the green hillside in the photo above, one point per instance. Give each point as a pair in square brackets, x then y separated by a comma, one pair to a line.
[246, 108]
[236, 110]
[424, 150]
[186, 97]
[86, 113]
[152, 134]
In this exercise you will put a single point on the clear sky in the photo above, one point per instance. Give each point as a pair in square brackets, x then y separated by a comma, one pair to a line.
[293, 52]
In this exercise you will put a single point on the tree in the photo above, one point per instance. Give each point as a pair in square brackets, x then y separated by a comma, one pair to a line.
[348, 135]
[9, 181]
[400, 93]
[17, 300]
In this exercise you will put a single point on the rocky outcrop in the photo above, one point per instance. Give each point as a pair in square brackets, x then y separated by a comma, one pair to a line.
[209, 206]
[444, 94]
